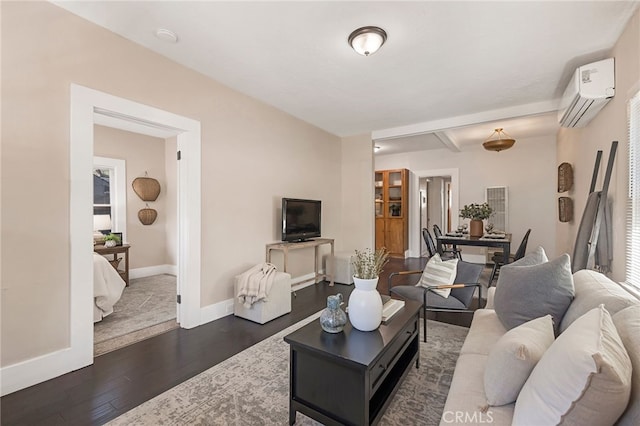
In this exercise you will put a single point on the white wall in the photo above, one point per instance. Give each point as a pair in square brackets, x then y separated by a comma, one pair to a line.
[252, 155]
[528, 170]
[579, 146]
[357, 215]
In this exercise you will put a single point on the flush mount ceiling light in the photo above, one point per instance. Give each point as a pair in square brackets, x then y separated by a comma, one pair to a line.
[376, 148]
[167, 35]
[498, 141]
[367, 40]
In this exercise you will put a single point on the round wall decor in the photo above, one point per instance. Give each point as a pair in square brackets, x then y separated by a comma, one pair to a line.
[147, 188]
[147, 216]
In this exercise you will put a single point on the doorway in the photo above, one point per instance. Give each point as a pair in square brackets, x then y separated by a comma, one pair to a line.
[435, 204]
[147, 258]
[434, 196]
[90, 107]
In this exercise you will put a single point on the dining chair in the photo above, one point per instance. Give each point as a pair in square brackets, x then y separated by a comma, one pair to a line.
[452, 251]
[498, 258]
[459, 300]
[428, 240]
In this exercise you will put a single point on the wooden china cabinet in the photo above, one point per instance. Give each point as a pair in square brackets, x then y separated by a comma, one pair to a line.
[392, 210]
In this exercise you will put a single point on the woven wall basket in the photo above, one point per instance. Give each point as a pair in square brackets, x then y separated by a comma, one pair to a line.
[147, 188]
[147, 216]
[565, 177]
[565, 209]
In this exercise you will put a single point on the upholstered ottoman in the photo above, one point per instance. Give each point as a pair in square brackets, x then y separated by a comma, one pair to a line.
[342, 267]
[278, 303]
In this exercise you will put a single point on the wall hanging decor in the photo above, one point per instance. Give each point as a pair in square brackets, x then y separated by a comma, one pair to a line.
[147, 188]
[565, 209]
[565, 177]
[147, 216]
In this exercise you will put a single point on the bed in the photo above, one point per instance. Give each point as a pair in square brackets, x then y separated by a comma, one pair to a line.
[107, 287]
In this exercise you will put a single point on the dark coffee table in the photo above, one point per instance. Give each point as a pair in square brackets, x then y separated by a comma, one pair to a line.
[349, 378]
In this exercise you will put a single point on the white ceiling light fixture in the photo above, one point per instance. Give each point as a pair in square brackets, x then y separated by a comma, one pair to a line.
[376, 148]
[167, 35]
[367, 40]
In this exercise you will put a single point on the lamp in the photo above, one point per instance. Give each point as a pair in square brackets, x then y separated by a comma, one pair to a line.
[501, 141]
[367, 40]
[101, 222]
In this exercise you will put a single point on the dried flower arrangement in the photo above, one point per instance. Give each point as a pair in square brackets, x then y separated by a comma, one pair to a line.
[368, 264]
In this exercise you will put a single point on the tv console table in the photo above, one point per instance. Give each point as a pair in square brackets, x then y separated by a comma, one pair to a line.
[316, 243]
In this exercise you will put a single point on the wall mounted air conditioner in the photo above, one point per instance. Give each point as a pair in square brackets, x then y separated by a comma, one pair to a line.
[589, 90]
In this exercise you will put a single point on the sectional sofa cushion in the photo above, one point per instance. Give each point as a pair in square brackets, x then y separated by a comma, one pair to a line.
[527, 292]
[627, 323]
[486, 329]
[439, 272]
[513, 358]
[583, 378]
[593, 289]
[466, 403]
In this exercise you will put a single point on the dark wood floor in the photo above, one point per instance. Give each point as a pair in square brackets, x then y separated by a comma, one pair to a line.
[121, 380]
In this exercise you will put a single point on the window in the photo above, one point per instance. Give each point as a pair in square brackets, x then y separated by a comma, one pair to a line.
[633, 206]
[102, 198]
[109, 195]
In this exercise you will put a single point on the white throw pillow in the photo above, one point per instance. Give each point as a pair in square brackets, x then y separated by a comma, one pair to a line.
[583, 378]
[513, 357]
[439, 272]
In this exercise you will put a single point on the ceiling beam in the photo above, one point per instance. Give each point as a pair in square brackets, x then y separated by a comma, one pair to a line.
[448, 141]
[465, 120]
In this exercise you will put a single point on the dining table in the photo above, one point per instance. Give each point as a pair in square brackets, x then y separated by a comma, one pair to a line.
[488, 240]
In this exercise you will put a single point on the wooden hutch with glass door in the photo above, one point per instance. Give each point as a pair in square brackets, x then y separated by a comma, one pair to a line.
[392, 210]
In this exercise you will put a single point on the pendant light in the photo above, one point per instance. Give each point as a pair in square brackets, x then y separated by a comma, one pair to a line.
[498, 141]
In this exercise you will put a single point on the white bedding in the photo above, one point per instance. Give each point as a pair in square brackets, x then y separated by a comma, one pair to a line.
[107, 287]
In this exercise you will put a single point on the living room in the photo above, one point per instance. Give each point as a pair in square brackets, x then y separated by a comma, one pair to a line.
[252, 155]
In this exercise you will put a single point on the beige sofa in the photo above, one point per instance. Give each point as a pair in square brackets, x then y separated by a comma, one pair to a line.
[467, 402]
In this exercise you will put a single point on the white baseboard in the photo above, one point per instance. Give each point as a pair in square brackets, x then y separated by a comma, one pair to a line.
[153, 270]
[216, 311]
[224, 308]
[39, 369]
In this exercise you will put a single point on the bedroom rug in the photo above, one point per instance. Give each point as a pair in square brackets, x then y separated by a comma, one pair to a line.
[252, 387]
[147, 308]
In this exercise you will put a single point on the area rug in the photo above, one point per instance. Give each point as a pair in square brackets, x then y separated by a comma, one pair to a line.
[252, 387]
[147, 307]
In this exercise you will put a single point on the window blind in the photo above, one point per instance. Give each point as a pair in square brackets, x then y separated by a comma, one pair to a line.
[633, 202]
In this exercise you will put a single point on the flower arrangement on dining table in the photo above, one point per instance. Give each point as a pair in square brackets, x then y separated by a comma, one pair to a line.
[476, 211]
[368, 264]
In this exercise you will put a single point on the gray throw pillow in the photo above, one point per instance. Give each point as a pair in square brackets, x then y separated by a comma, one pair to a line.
[535, 257]
[527, 292]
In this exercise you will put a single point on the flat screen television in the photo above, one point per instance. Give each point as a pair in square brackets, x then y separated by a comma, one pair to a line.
[300, 219]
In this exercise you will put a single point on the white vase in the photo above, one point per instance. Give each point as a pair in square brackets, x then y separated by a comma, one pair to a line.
[365, 305]
[110, 243]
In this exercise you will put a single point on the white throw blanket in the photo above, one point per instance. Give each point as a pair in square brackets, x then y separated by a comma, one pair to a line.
[107, 287]
[255, 284]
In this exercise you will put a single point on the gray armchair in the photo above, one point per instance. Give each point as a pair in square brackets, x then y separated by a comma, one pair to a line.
[459, 300]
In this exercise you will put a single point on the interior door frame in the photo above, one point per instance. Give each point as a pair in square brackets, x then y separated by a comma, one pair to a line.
[85, 104]
[415, 233]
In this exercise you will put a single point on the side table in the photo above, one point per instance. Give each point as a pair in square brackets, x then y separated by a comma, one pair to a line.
[115, 251]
